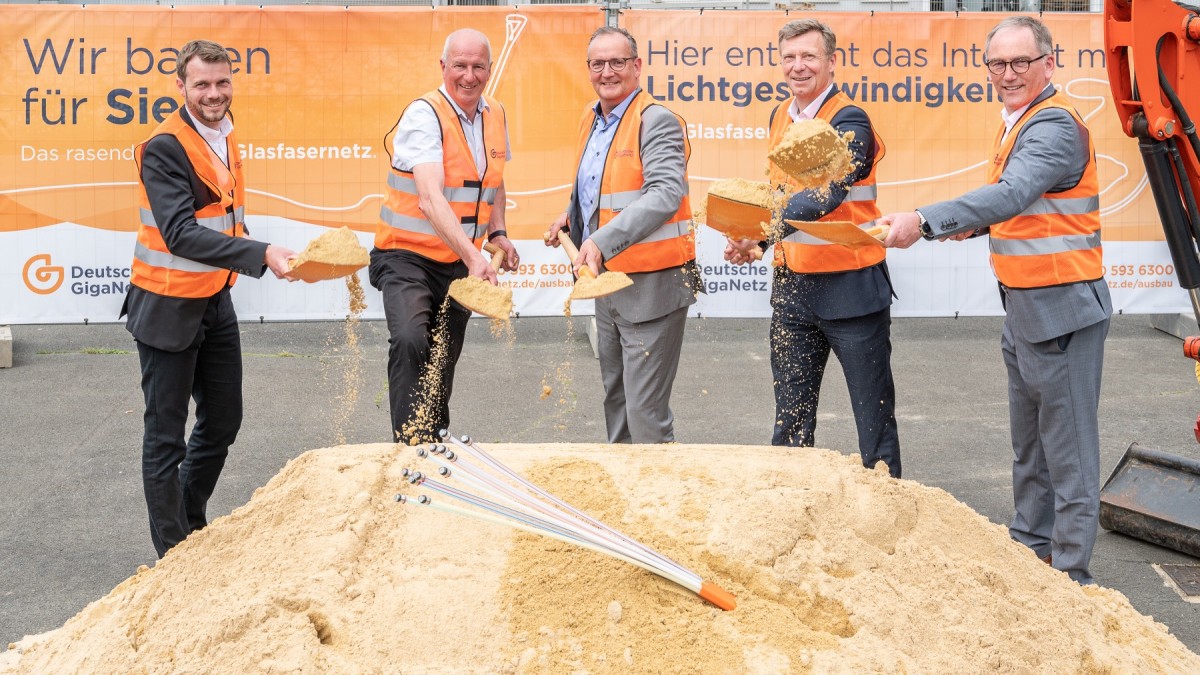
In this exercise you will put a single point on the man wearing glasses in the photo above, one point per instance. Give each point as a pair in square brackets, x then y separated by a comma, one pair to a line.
[629, 212]
[1041, 208]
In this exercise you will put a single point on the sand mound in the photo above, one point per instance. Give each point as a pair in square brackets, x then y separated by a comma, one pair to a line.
[835, 569]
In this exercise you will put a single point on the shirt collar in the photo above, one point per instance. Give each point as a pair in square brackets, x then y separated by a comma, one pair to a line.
[458, 109]
[619, 111]
[1010, 120]
[810, 111]
[215, 136]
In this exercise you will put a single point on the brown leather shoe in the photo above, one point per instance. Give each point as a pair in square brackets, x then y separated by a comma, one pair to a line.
[1049, 559]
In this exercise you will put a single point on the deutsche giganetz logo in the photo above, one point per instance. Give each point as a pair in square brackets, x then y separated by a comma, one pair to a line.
[40, 276]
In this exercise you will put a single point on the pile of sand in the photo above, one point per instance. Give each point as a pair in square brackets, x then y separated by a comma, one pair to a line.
[813, 154]
[334, 254]
[335, 247]
[758, 193]
[835, 568]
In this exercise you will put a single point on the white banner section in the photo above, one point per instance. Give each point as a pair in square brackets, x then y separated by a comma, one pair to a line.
[67, 273]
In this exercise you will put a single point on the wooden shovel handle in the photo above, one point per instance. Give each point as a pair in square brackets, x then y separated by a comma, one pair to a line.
[564, 238]
[497, 255]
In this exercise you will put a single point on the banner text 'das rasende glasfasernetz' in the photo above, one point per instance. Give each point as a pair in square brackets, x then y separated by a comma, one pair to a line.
[315, 90]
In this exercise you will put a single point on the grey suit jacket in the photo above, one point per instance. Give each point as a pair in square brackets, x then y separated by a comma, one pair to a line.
[1049, 155]
[664, 167]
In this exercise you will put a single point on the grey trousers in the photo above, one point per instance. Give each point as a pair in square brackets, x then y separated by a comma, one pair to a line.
[1053, 397]
[638, 362]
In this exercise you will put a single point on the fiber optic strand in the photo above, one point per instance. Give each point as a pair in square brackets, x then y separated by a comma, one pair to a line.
[502, 496]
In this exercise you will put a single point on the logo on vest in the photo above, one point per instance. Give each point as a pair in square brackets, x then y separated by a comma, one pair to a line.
[624, 153]
[40, 276]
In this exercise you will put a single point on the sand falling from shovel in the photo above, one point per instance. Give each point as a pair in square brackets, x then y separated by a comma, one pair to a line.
[432, 384]
[352, 365]
[813, 154]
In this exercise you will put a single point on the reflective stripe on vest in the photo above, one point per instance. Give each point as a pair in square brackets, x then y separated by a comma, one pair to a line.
[401, 182]
[671, 244]
[1056, 240]
[806, 254]
[169, 261]
[155, 268]
[219, 223]
[471, 197]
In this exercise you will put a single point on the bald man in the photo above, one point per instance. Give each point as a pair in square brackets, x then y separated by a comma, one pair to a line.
[445, 193]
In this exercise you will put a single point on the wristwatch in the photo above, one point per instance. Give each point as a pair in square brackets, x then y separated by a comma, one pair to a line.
[926, 231]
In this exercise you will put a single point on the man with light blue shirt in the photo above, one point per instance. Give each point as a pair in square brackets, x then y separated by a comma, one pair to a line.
[445, 193]
[629, 212]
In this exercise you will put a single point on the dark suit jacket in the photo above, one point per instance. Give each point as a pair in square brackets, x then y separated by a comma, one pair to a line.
[837, 295]
[175, 194]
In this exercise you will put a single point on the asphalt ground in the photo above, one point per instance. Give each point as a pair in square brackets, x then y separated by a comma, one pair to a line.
[73, 520]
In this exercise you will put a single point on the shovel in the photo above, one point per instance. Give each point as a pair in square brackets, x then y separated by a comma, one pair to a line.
[481, 297]
[333, 255]
[737, 219]
[590, 286]
[844, 233]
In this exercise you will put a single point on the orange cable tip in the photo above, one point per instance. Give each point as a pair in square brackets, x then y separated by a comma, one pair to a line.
[718, 596]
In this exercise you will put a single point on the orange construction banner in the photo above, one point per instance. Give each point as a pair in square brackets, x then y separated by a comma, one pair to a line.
[317, 88]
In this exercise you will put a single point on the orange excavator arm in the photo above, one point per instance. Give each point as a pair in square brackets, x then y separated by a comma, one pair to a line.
[1153, 60]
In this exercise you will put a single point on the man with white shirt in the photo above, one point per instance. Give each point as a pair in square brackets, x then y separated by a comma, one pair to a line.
[826, 296]
[191, 246]
[1041, 208]
[445, 193]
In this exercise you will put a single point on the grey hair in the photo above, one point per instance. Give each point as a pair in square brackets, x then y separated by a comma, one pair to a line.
[613, 30]
[462, 32]
[1041, 34]
[799, 27]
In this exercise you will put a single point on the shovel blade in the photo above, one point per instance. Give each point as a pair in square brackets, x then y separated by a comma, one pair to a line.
[587, 288]
[481, 297]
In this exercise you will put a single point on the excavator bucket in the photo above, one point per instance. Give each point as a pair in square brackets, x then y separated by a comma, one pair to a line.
[1154, 496]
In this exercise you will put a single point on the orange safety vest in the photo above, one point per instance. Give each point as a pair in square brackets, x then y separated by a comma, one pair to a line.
[1056, 239]
[805, 253]
[401, 223]
[673, 243]
[155, 268]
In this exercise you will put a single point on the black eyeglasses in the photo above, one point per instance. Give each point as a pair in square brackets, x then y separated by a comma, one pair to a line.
[617, 65]
[1018, 65]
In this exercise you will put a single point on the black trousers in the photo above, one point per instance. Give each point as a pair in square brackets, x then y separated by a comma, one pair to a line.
[178, 477]
[426, 332]
[800, 346]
